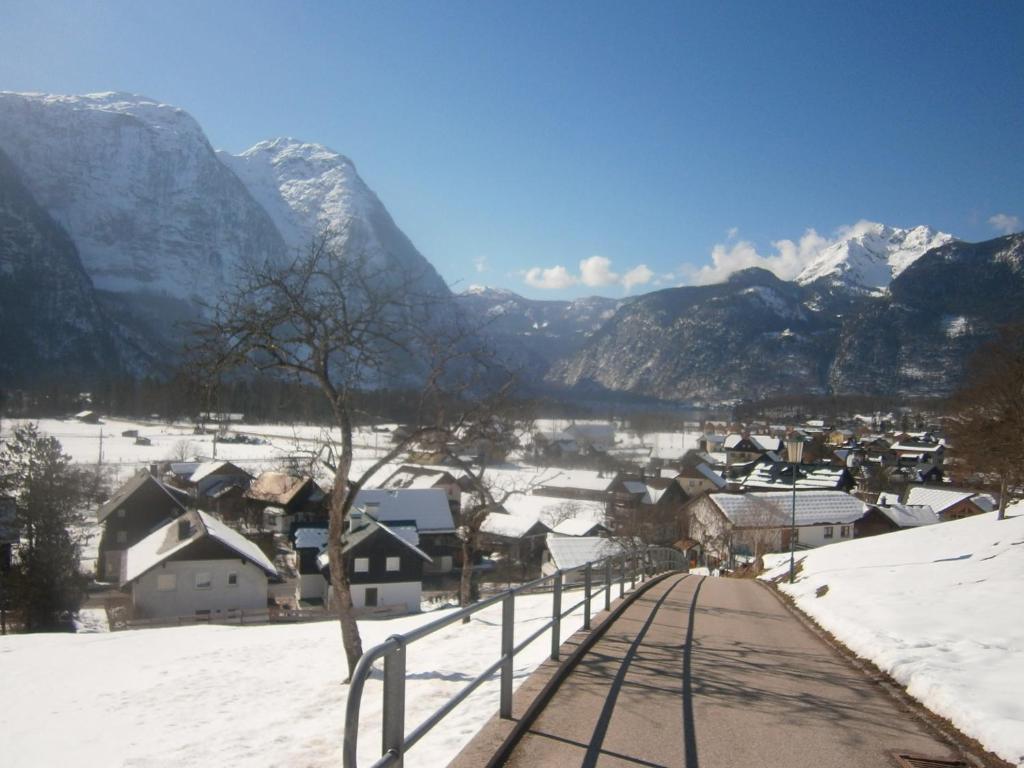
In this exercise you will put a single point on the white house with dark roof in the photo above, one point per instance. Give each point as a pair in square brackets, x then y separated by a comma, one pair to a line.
[425, 508]
[196, 565]
[725, 524]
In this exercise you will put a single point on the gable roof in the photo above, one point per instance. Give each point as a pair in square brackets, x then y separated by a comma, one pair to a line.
[129, 489]
[906, 516]
[812, 507]
[167, 540]
[941, 499]
[548, 507]
[214, 467]
[366, 527]
[512, 526]
[572, 551]
[770, 475]
[578, 526]
[278, 488]
[428, 507]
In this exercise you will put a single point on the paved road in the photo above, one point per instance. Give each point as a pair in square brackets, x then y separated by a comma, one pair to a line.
[717, 673]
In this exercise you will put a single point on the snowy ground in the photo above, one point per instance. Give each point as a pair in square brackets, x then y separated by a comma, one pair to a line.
[241, 696]
[940, 609]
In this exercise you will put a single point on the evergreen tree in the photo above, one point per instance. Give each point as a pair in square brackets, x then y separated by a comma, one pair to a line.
[45, 586]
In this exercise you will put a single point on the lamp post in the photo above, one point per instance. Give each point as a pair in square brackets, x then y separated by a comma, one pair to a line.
[795, 453]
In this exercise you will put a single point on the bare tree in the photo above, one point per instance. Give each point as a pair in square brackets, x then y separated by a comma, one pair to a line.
[342, 324]
[763, 522]
[986, 421]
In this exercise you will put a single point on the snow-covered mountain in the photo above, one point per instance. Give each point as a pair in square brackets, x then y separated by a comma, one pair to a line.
[310, 190]
[871, 257]
[138, 188]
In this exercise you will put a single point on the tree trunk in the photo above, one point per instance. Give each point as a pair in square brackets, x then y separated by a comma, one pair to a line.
[339, 577]
[1002, 498]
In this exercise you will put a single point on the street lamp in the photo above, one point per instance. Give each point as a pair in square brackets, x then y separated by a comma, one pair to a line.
[795, 452]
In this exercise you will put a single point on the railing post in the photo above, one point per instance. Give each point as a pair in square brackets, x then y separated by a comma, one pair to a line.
[586, 597]
[556, 617]
[622, 576]
[507, 627]
[393, 728]
[632, 580]
[607, 583]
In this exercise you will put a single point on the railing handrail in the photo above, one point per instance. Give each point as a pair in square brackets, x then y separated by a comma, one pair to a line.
[395, 741]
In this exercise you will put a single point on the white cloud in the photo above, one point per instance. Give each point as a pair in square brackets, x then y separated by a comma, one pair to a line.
[552, 279]
[596, 272]
[480, 263]
[732, 233]
[787, 259]
[1005, 223]
[640, 275]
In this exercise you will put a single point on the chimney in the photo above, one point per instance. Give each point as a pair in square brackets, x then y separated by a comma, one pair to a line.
[184, 529]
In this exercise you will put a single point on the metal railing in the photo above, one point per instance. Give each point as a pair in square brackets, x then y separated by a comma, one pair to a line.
[394, 741]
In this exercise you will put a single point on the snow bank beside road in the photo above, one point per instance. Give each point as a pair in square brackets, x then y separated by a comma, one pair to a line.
[940, 609]
[246, 697]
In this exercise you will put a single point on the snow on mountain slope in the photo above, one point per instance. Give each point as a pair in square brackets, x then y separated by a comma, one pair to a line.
[139, 189]
[939, 609]
[872, 256]
[309, 190]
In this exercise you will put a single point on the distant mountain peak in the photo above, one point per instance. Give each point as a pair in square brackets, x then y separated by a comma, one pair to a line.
[871, 256]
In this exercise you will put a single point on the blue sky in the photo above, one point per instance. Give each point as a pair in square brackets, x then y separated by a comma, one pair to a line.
[632, 137]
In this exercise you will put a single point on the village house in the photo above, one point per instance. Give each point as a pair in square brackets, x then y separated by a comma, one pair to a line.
[285, 501]
[384, 564]
[195, 565]
[567, 552]
[417, 476]
[726, 525]
[892, 516]
[950, 503]
[519, 541]
[138, 507]
[778, 475]
[425, 509]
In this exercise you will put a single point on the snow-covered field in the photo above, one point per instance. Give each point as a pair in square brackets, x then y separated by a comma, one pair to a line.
[242, 696]
[940, 609]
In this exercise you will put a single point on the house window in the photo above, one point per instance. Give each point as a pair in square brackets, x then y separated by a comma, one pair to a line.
[204, 580]
[796, 535]
[829, 531]
[361, 565]
[166, 582]
[121, 512]
[844, 532]
[394, 563]
[122, 537]
[370, 597]
[232, 579]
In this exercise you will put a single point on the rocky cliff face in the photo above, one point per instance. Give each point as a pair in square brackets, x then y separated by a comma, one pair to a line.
[51, 325]
[311, 191]
[138, 188]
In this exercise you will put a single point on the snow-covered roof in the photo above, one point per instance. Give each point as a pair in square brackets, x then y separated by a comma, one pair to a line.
[583, 479]
[414, 477]
[167, 540]
[509, 526]
[917, 448]
[427, 507]
[909, 516]
[573, 551]
[549, 508]
[365, 527]
[939, 499]
[812, 507]
[576, 526]
[209, 468]
[710, 474]
[766, 476]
